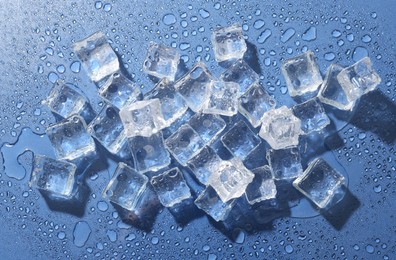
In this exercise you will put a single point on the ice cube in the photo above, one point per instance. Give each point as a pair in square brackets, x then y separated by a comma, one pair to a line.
[161, 61]
[183, 119]
[55, 177]
[331, 92]
[358, 79]
[173, 105]
[195, 86]
[142, 118]
[210, 202]
[118, 90]
[208, 126]
[240, 140]
[98, 58]
[254, 103]
[171, 187]
[70, 139]
[184, 144]
[285, 163]
[240, 72]
[66, 100]
[302, 74]
[149, 153]
[125, 187]
[202, 163]
[230, 178]
[262, 187]
[228, 43]
[319, 182]
[312, 115]
[280, 128]
[223, 99]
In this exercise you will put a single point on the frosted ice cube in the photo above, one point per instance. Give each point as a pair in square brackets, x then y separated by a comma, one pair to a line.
[319, 182]
[202, 163]
[223, 99]
[262, 187]
[228, 43]
[302, 74]
[55, 177]
[285, 163]
[358, 79]
[142, 118]
[195, 86]
[254, 103]
[240, 72]
[208, 126]
[125, 187]
[98, 58]
[230, 178]
[118, 90]
[184, 144]
[183, 119]
[171, 187]
[161, 61]
[280, 128]
[149, 153]
[240, 140]
[331, 92]
[210, 202]
[312, 115]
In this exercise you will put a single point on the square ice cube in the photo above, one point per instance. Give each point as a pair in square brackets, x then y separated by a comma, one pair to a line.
[208, 126]
[285, 163]
[262, 187]
[184, 144]
[210, 202]
[302, 74]
[280, 128]
[254, 103]
[98, 58]
[125, 187]
[230, 178]
[195, 86]
[312, 115]
[240, 72]
[319, 182]
[171, 187]
[183, 119]
[202, 163]
[240, 140]
[149, 153]
[118, 90]
[223, 99]
[358, 79]
[331, 92]
[161, 61]
[56, 177]
[173, 105]
[70, 139]
[228, 43]
[142, 118]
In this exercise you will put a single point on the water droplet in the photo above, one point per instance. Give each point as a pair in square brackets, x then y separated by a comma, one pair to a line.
[98, 4]
[258, 24]
[112, 235]
[370, 249]
[169, 19]
[366, 38]
[53, 77]
[61, 69]
[130, 237]
[204, 14]
[373, 15]
[329, 56]
[75, 67]
[377, 189]
[336, 33]
[107, 7]
[184, 46]
[217, 6]
[359, 53]
[286, 36]
[81, 233]
[155, 240]
[264, 36]
[289, 249]
[40, 69]
[206, 248]
[61, 235]
[240, 237]
[350, 37]
[102, 206]
[49, 51]
[310, 34]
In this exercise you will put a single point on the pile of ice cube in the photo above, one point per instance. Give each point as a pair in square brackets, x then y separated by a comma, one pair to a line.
[168, 133]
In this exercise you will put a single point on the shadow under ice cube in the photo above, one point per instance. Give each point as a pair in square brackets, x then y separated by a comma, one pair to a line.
[223, 98]
[285, 163]
[312, 115]
[161, 61]
[228, 43]
[202, 163]
[208, 126]
[240, 72]
[262, 187]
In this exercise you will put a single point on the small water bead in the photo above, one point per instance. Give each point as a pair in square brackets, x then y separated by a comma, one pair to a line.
[289, 249]
[287, 35]
[169, 19]
[329, 56]
[258, 24]
[107, 7]
[366, 38]
[98, 4]
[370, 249]
[61, 69]
[336, 33]
[75, 67]
[204, 14]
[53, 77]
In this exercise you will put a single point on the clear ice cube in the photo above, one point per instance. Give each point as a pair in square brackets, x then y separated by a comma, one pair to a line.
[228, 43]
[254, 103]
[285, 163]
[161, 61]
[302, 74]
[183, 119]
[312, 115]
[184, 144]
[358, 79]
[240, 72]
[240, 140]
[125, 187]
[171, 187]
[98, 58]
[208, 126]
[319, 182]
[280, 128]
[202, 163]
[223, 99]
[262, 187]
